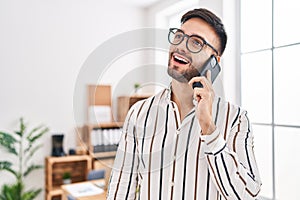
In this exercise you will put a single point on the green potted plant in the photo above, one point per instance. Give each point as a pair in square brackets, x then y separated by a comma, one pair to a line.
[66, 178]
[22, 145]
[136, 87]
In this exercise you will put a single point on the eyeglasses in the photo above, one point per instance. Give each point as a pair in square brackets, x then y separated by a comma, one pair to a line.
[194, 43]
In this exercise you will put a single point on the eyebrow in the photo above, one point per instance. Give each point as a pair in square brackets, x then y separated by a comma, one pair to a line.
[194, 34]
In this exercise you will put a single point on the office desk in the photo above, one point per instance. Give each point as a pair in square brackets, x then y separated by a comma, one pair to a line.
[99, 196]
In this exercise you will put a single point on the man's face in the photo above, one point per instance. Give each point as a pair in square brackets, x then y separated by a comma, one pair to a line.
[184, 65]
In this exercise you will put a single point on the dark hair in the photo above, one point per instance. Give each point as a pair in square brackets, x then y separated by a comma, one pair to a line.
[213, 20]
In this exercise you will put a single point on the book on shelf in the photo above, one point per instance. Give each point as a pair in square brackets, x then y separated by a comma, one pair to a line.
[104, 140]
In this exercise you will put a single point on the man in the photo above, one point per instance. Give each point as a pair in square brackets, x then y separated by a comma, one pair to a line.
[186, 143]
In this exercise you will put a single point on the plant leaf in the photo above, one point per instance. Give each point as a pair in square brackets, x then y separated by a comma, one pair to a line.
[22, 129]
[31, 194]
[34, 130]
[28, 148]
[8, 142]
[7, 166]
[12, 192]
[33, 138]
[31, 168]
[22, 126]
[7, 191]
[32, 152]
[18, 133]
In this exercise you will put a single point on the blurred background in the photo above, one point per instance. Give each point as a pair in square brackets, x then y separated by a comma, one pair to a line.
[46, 45]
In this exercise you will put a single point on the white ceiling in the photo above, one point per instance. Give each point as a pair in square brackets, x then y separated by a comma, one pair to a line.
[141, 3]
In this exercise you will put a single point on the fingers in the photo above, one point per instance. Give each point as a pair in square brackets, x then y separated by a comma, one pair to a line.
[208, 75]
[207, 91]
[199, 94]
[205, 81]
[203, 94]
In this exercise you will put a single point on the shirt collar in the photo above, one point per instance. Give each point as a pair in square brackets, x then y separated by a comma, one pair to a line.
[169, 94]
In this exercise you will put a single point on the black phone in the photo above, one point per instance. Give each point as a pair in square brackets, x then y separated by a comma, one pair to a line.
[212, 65]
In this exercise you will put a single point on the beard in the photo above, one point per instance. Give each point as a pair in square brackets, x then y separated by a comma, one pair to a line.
[181, 73]
[182, 76]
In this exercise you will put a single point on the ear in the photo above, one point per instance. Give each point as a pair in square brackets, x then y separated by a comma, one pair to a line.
[218, 58]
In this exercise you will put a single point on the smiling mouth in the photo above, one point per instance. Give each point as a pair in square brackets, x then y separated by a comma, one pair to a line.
[180, 59]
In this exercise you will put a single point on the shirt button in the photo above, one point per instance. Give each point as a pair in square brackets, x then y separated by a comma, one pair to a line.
[172, 184]
[177, 132]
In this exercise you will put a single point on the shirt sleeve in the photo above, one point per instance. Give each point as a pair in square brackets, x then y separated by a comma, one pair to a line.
[123, 180]
[232, 162]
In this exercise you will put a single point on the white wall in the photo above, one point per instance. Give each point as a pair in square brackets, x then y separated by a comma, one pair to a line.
[44, 44]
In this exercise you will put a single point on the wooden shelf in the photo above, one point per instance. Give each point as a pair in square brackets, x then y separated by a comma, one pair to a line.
[55, 167]
[105, 125]
[100, 95]
[84, 137]
[101, 155]
[125, 102]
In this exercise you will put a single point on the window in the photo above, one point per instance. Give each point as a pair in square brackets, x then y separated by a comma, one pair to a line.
[270, 44]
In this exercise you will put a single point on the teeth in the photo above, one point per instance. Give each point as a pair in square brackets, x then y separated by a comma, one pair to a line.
[181, 59]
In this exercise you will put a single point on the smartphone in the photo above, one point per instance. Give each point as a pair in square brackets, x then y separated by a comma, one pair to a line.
[212, 65]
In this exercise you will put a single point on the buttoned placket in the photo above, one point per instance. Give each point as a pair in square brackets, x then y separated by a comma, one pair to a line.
[187, 119]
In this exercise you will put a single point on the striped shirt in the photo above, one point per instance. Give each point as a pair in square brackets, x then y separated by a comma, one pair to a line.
[163, 157]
